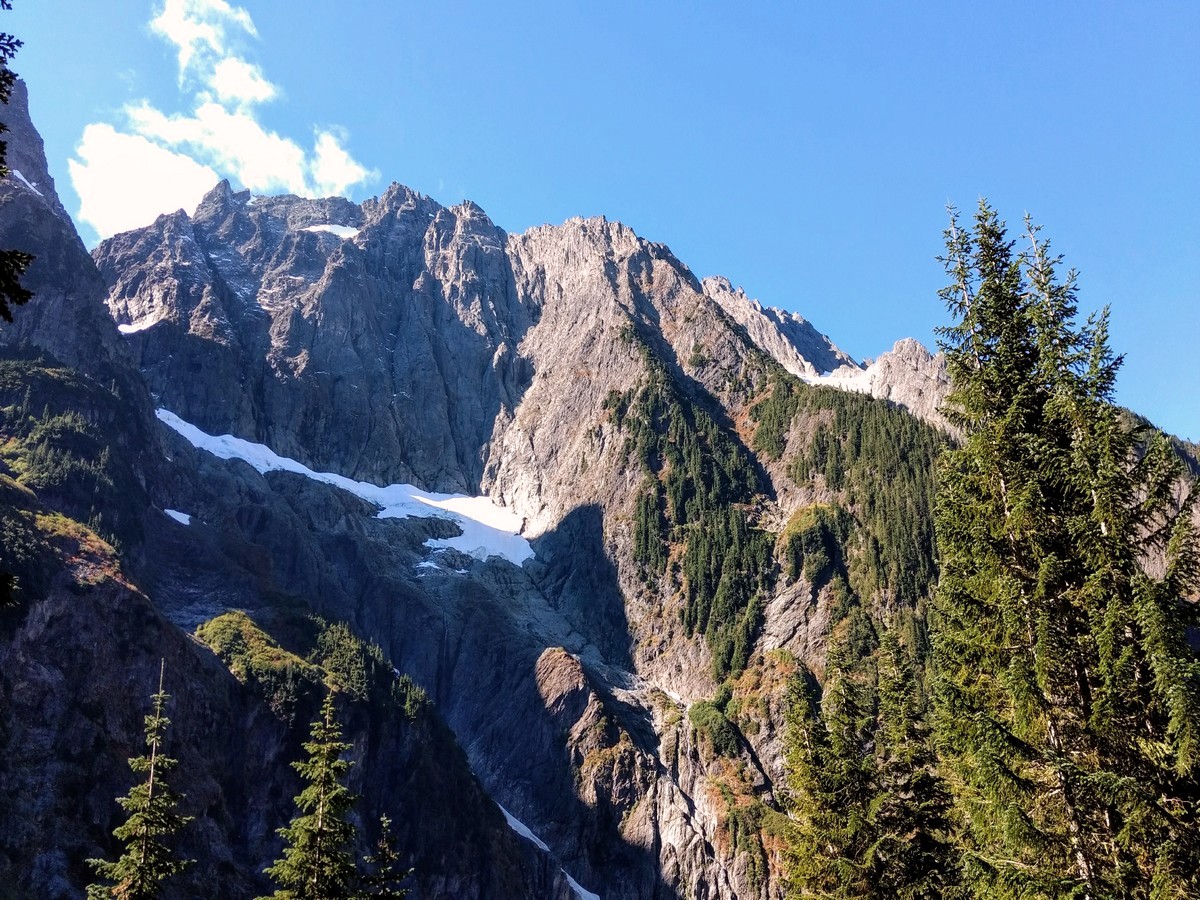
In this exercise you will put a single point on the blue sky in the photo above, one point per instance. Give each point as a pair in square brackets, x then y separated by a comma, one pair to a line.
[805, 151]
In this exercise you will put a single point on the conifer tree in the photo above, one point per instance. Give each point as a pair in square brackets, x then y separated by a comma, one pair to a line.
[914, 854]
[317, 862]
[830, 783]
[1067, 697]
[384, 873]
[151, 805]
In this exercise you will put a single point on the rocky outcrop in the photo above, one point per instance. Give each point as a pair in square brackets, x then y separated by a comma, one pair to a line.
[398, 340]
[907, 375]
[69, 319]
[78, 653]
[423, 344]
[374, 341]
[76, 668]
[788, 337]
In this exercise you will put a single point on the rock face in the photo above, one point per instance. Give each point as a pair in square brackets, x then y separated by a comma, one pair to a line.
[385, 355]
[398, 340]
[789, 338]
[92, 638]
[83, 454]
[907, 375]
[69, 318]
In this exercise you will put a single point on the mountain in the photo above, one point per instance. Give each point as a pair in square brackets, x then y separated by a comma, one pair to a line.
[907, 375]
[83, 457]
[596, 511]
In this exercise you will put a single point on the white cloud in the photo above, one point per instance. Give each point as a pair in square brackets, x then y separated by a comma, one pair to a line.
[219, 136]
[232, 142]
[237, 81]
[124, 181]
[333, 169]
[198, 27]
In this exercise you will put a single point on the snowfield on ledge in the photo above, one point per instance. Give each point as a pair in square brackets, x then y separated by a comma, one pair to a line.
[487, 529]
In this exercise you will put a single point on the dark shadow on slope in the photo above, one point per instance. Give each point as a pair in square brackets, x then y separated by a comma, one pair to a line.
[577, 577]
[475, 641]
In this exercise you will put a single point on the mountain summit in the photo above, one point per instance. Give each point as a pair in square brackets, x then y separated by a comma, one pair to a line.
[573, 493]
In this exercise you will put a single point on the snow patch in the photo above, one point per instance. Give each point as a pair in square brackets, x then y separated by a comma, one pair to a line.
[845, 378]
[181, 517]
[580, 891]
[25, 181]
[343, 231]
[138, 326]
[487, 529]
[524, 831]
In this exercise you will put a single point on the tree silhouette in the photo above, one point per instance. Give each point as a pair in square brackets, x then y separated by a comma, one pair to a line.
[317, 862]
[151, 805]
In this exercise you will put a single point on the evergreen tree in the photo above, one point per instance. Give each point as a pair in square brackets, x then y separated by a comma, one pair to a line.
[383, 865]
[13, 263]
[151, 805]
[1067, 697]
[871, 813]
[317, 862]
[914, 856]
[829, 780]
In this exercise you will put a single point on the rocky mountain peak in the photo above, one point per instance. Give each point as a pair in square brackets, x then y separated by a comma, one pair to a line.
[788, 337]
[67, 317]
[578, 376]
[26, 153]
[907, 375]
[396, 197]
[219, 202]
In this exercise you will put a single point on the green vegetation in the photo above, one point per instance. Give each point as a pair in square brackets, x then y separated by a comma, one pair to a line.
[384, 873]
[1067, 696]
[699, 482]
[23, 564]
[59, 440]
[829, 784]
[323, 658]
[708, 718]
[913, 855]
[727, 568]
[872, 815]
[693, 515]
[318, 652]
[58, 450]
[878, 461]
[745, 819]
[813, 542]
[152, 819]
[256, 659]
[318, 860]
